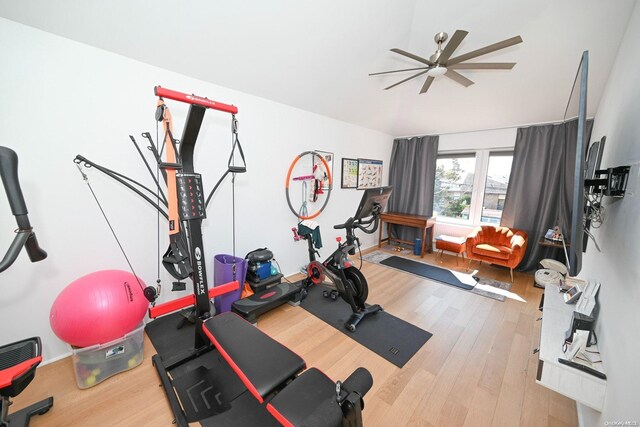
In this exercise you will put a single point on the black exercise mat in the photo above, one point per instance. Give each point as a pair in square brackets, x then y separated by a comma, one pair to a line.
[384, 334]
[425, 270]
[205, 392]
[167, 338]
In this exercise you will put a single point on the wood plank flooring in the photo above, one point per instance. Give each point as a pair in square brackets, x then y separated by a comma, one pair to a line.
[477, 370]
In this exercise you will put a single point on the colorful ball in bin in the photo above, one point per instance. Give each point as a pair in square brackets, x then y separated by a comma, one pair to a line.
[98, 308]
[132, 362]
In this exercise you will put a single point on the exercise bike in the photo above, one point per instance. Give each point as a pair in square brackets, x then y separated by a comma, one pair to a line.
[350, 283]
[18, 360]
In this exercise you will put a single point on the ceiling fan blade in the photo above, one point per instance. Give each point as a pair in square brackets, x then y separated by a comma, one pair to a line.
[407, 79]
[453, 44]
[457, 77]
[483, 66]
[412, 56]
[487, 49]
[398, 71]
[427, 83]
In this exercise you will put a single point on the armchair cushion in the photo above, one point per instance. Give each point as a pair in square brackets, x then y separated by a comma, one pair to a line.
[493, 251]
[497, 245]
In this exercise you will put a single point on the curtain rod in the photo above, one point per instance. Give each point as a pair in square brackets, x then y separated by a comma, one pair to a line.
[555, 122]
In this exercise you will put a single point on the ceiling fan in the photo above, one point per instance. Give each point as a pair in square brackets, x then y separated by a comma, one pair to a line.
[441, 63]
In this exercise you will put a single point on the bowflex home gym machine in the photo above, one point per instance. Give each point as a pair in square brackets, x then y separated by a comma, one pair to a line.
[274, 385]
[18, 360]
[348, 280]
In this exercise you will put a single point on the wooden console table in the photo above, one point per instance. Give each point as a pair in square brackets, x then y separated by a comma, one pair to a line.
[552, 243]
[422, 222]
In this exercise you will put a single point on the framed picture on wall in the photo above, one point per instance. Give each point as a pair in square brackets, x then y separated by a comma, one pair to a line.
[369, 173]
[319, 168]
[349, 173]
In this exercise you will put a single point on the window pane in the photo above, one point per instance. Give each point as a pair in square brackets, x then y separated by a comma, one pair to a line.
[495, 188]
[454, 186]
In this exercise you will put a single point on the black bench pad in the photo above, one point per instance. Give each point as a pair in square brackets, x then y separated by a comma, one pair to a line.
[309, 400]
[262, 363]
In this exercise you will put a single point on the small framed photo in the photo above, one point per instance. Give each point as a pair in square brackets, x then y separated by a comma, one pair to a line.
[349, 173]
[369, 173]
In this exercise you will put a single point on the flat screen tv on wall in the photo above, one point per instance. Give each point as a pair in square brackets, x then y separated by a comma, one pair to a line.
[594, 159]
[574, 224]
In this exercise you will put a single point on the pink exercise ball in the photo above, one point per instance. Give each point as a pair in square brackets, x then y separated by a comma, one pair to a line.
[98, 308]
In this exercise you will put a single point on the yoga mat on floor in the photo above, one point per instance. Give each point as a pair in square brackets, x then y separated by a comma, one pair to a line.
[428, 271]
[384, 334]
[489, 288]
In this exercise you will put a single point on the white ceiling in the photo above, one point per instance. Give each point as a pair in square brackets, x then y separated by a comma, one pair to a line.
[317, 55]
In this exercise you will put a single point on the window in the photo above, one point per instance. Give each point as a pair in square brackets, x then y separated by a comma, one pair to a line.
[471, 187]
[454, 185]
[495, 187]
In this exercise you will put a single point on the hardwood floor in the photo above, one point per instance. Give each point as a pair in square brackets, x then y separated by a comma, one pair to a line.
[477, 370]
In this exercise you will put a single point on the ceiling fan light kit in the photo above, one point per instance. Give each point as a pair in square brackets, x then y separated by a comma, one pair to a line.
[436, 71]
[441, 63]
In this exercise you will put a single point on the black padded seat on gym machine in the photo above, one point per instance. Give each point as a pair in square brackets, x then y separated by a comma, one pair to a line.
[309, 400]
[261, 363]
[270, 371]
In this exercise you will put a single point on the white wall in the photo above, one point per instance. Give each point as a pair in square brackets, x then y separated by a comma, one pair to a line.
[617, 266]
[494, 139]
[61, 98]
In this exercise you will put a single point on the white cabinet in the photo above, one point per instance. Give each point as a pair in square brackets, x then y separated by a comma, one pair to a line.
[566, 380]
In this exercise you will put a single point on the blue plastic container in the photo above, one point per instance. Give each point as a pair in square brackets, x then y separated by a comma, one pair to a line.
[417, 246]
[223, 273]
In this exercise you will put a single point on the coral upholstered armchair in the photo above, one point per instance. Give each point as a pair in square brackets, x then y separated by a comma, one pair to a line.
[497, 245]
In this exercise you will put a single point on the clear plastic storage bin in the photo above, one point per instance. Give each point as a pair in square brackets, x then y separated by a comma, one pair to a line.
[95, 364]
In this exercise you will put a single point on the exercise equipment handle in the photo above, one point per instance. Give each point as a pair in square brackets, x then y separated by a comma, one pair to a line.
[9, 175]
[348, 224]
[177, 304]
[194, 99]
[360, 381]
[364, 225]
[25, 236]
[14, 250]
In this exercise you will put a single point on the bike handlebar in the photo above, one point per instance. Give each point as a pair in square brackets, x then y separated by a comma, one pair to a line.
[13, 251]
[9, 176]
[360, 224]
[25, 236]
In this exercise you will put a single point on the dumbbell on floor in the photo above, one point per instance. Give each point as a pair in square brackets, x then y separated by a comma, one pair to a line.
[333, 294]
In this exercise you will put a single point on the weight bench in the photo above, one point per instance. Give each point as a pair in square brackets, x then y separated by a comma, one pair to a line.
[277, 378]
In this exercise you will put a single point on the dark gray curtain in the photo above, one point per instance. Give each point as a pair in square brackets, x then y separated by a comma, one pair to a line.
[412, 173]
[540, 188]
